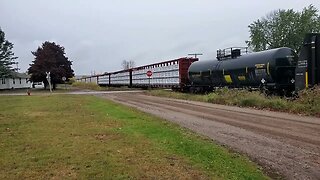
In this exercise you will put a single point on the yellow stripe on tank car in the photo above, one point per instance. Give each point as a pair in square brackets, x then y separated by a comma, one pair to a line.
[307, 79]
[268, 68]
[260, 66]
[228, 78]
[242, 78]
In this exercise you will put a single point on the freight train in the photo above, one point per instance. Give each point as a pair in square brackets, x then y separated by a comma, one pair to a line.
[166, 74]
[272, 70]
[278, 70]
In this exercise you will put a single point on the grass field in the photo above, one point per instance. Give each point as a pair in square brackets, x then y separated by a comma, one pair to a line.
[84, 137]
[96, 87]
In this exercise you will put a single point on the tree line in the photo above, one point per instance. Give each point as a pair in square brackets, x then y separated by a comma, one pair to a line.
[50, 57]
[283, 28]
[280, 28]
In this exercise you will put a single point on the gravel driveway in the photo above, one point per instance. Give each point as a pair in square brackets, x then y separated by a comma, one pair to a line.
[283, 144]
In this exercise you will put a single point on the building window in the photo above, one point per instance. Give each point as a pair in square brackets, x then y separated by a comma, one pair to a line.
[20, 80]
[26, 80]
[13, 81]
[3, 80]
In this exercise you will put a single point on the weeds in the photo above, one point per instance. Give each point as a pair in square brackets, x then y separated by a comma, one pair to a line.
[308, 102]
[82, 85]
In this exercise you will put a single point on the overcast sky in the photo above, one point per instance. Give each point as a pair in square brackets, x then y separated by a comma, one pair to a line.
[99, 34]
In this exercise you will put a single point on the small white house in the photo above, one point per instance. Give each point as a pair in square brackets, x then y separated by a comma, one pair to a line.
[18, 81]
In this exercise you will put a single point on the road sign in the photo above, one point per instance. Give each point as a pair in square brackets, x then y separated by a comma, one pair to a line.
[64, 78]
[149, 73]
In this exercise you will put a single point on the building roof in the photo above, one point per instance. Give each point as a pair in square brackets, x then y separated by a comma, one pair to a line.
[20, 75]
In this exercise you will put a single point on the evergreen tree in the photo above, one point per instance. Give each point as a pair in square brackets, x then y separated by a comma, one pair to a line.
[6, 56]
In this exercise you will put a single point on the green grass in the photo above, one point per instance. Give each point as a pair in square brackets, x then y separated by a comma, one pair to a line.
[92, 86]
[83, 137]
[96, 87]
[307, 103]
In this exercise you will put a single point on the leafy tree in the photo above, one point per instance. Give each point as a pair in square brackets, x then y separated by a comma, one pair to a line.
[50, 58]
[283, 28]
[127, 64]
[6, 56]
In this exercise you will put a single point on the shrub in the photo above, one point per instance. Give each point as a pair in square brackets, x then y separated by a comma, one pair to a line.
[84, 85]
[250, 102]
[276, 103]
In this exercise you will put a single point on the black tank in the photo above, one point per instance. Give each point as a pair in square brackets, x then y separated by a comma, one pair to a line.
[273, 69]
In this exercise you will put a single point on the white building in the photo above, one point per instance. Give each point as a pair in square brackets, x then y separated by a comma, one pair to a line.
[18, 81]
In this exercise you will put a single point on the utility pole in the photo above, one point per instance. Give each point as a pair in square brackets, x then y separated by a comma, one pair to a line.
[195, 54]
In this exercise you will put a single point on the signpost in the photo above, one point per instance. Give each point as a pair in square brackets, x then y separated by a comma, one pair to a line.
[149, 74]
[49, 80]
[64, 81]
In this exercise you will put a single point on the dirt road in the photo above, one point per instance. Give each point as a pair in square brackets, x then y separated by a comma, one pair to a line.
[281, 143]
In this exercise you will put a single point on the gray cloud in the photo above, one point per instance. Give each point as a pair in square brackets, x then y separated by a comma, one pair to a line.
[98, 35]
